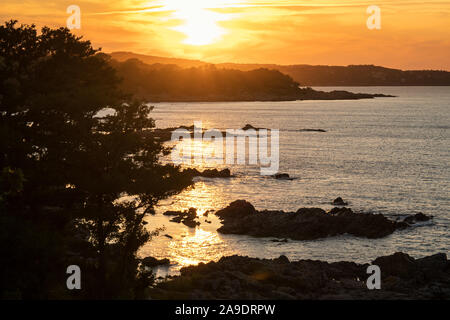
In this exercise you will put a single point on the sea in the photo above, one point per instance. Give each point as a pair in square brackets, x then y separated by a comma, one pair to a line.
[383, 155]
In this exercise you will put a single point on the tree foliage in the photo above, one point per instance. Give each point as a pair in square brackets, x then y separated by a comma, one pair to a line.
[159, 82]
[80, 179]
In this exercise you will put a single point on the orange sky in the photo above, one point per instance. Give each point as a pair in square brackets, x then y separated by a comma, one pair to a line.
[413, 35]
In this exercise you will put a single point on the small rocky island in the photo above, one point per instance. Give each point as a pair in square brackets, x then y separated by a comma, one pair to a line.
[241, 217]
[165, 134]
[208, 173]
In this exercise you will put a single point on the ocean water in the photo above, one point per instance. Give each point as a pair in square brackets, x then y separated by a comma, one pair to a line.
[384, 155]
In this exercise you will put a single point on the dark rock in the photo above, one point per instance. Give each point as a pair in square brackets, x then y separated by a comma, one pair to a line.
[339, 202]
[282, 176]
[153, 262]
[339, 210]
[401, 225]
[236, 209]
[208, 173]
[168, 236]
[240, 217]
[282, 240]
[177, 219]
[172, 213]
[186, 217]
[191, 223]
[191, 214]
[310, 212]
[435, 263]
[421, 217]
[399, 265]
[418, 217]
[312, 130]
[214, 173]
[249, 126]
[251, 278]
[283, 259]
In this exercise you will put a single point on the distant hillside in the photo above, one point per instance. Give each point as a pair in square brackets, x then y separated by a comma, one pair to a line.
[353, 75]
[170, 83]
[364, 75]
[308, 75]
[183, 63]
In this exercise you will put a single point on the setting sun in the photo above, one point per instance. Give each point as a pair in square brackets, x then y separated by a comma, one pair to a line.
[199, 23]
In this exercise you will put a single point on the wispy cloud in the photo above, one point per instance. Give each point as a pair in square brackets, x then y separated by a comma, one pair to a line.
[285, 31]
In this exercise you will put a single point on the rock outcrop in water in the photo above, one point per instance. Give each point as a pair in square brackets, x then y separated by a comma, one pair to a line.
[312, 130]
[165, 134]
[187, 217]
[339, 202]
[250, 127]
[240, 217]
[282, 176]
[236, 277]
[418, 217]
[208, 173]
[153, 262]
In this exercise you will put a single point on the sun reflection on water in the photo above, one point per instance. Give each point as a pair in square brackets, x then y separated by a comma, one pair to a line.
[201, 197]
[189, 246]
[196, 247]
[200, 154]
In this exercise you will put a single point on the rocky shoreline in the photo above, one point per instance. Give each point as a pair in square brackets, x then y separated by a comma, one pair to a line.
[241, 217]
[297, 94]
[240, 278]
[237, 277]
[165, 134]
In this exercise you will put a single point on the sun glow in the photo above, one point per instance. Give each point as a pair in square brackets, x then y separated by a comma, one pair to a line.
[200, 24]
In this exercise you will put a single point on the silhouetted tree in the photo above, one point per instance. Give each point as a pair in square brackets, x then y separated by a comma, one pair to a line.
[159, 82]
[86, 169]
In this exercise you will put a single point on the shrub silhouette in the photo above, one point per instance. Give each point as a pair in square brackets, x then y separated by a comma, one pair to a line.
[75, 185]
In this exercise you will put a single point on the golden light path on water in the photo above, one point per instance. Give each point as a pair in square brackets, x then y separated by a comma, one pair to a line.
[188, 246]
[347, 161]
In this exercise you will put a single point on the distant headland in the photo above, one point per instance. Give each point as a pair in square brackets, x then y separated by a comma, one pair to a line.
[170, 82]
[317, 75]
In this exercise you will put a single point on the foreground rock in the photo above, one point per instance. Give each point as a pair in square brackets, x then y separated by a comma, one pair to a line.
[240, 217]
[250, 127]
[153, 262]
[236, 277]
